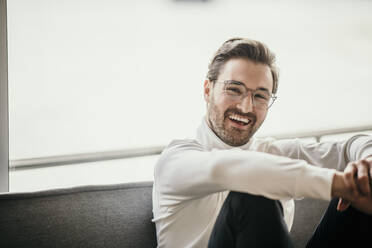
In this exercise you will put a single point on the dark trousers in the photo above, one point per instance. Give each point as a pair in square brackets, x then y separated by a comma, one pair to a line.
[350, 228]
[250, 221]
[254, 221]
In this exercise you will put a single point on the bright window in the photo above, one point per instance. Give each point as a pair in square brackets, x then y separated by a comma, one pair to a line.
[89, 76]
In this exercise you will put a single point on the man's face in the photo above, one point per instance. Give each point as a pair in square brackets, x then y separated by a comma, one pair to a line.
[222, 113]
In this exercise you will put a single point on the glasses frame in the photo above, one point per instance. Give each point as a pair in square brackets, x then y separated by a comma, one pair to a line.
[272, 96]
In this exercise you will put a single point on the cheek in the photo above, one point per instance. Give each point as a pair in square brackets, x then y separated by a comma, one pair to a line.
[221, 104]
[261, 116]
[224, 105]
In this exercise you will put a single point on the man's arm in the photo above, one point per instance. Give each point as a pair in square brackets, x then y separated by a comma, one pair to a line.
[185, 171]
[329, 154]
[348, 156]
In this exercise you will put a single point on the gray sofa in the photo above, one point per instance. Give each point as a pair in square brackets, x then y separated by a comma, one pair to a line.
[102, 216]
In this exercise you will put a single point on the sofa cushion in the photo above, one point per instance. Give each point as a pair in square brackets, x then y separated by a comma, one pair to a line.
[89, 216]
[308, 213]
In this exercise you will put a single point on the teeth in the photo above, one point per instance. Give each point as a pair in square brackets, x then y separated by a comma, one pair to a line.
[238, 118]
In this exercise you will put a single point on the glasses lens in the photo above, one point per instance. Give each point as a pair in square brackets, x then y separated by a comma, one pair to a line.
[235, 90]
[261, 98]
[272, 100]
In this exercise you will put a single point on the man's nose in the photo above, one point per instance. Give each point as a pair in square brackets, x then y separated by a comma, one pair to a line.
[246, 104]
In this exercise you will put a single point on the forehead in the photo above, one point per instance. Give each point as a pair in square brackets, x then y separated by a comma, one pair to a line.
[253, 75]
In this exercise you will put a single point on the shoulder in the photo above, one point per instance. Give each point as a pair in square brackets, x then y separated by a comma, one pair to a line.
[276, 146]
[177, 152]
[184, 144]
[178, 147]
[261, 144]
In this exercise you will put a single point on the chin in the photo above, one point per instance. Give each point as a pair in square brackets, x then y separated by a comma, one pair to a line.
[232, 140]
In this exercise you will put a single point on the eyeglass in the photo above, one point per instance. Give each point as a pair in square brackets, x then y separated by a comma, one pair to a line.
[237, 91]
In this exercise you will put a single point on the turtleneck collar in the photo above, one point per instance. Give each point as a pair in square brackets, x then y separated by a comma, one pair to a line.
[210, 140]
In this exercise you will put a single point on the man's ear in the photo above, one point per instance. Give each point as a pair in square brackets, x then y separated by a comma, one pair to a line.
[207, 90]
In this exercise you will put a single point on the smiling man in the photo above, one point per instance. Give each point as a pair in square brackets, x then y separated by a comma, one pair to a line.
[226, 188]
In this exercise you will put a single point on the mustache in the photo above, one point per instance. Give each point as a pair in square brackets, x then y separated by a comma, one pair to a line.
[249, 115]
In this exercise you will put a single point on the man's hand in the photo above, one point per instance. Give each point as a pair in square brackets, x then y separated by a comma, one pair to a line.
[354, 186]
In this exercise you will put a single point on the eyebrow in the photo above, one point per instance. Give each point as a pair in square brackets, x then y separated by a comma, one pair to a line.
[240, 83]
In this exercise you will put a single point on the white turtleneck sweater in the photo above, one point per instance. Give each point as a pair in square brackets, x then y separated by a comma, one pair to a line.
[194, 176]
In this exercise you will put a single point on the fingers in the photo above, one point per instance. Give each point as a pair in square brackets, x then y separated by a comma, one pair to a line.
[342, 205]
[368, 161]
[363, 177]
[357, 181]
[350, 175]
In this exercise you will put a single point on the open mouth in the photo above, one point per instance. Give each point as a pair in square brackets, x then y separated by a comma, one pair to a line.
[239, 120]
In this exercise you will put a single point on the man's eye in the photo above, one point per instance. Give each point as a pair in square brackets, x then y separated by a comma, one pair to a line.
[234, 90]
[261, 96]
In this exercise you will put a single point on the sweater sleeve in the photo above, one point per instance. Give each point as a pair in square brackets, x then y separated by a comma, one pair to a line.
[359, 147]
[328, 154]
[185, 171]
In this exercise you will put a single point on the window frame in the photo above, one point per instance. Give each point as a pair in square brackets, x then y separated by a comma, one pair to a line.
[4, 110]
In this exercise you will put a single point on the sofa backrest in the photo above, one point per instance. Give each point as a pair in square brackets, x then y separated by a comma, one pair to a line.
[107, 216]
[89, 216]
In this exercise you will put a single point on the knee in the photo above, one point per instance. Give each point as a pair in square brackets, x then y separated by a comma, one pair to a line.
[242, 202]
[241, 209]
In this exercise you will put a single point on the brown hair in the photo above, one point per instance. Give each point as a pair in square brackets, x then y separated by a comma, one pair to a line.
[243, 48]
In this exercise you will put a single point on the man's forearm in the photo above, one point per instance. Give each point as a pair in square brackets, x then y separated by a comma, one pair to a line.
[343, 187]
